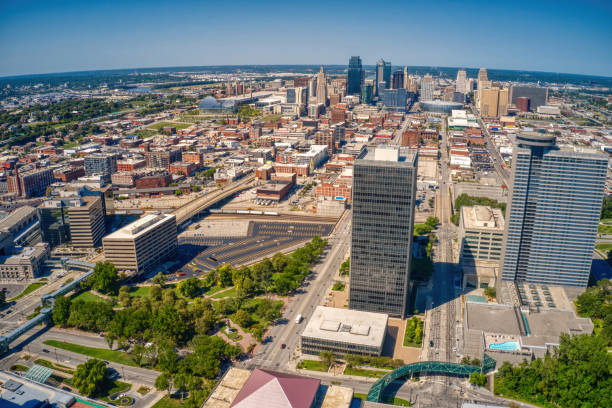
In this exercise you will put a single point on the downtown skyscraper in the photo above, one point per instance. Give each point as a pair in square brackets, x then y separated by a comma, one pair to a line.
[383, 75]
[384, 188]
[552, 220]
[354, 77]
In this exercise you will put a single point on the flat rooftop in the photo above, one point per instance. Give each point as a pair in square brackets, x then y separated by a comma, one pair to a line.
[140, 226]
[492, 318]
[482, 217]
[394, 154]
[225, 392]
[347, 326]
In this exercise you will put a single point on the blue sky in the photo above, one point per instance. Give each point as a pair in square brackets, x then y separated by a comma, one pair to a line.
[64, 35]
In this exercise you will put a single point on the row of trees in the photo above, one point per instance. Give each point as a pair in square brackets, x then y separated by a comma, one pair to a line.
[345, 267]
[576, 375]
[596, 303]
[281, 274]
[468, 200]
[414, 331]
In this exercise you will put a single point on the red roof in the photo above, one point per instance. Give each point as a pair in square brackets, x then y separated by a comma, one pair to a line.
[276, 390]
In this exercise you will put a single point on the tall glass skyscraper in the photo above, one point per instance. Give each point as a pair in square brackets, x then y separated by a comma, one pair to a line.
[354, 77]
[384, 187]
[383, 74]
[554, 212]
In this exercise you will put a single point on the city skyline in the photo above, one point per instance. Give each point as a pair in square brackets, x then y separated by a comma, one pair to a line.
[61, 38]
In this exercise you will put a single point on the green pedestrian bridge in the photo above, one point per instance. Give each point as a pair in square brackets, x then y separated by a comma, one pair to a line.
[430, 367]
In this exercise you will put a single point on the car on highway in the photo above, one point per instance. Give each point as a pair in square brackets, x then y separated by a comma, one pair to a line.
[431, 343]
[283, 345]
[45, 350]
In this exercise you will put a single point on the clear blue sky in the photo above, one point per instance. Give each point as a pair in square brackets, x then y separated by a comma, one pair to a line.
[63, 35]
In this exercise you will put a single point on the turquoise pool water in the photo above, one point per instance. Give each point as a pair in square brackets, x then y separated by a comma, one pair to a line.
[506, 346]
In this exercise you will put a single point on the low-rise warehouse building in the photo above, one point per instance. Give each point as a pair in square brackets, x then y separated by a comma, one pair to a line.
[344, 332]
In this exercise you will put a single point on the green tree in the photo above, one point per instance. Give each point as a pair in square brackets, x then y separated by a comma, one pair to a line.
[159, 279]
[105, 278]
[61, 311]
[327, 358]
[189, 287]
[164, 382]
[478, 379]
[110, 339]
[138, 353]
[124, 296]
[90, 377]
[490, 291]
[155, 293]
[243, 318]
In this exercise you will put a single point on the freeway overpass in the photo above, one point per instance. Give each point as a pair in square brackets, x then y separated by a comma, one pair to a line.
[200, 204]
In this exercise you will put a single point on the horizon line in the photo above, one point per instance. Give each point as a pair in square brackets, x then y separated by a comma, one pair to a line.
[5, 77]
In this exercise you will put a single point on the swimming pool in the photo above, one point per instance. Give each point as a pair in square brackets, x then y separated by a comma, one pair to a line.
[506, 346]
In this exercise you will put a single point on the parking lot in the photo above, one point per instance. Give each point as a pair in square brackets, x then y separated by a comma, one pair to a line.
[264, 239]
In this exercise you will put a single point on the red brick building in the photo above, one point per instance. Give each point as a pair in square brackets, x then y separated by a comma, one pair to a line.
[162, 180]
[186, 169]
[130, 165]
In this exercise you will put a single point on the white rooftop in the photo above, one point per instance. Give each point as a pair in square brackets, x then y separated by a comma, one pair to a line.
[347, 326]
[140, 226]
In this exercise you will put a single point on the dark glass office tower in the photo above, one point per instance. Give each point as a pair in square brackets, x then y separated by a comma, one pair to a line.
[551, 225]
[366, 93]
[398, 79]
[354, 77]
[384, 185]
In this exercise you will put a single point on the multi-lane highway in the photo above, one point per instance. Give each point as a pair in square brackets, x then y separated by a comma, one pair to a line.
[199, 204]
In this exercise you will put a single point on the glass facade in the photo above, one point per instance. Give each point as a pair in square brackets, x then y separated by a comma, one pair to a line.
[554, 213]
[354, 77]
[382, 227]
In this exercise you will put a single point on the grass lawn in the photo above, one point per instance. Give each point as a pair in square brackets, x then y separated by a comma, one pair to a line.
[313, 365]
[31, 288]
[88, 297]
[605, 226]
[364, 373]
[230, 292]
[145, 133]
[54, 366]
[140, 291]
[604, 247]
[168, 402]
[119, 357]
[387, 400]
[159, 126]
[115, 387]
[19, 368]
[213, 290]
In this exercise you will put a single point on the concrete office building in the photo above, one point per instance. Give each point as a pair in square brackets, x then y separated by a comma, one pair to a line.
[344, 332]
[24, 262]
[461, 82]
[482, 76]
[143, 244]
[482, 234]
[554, 212]
[104, 164]
[427, 88]
[384, 187]
[354, 76]
[87, 225]
[321, 87]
